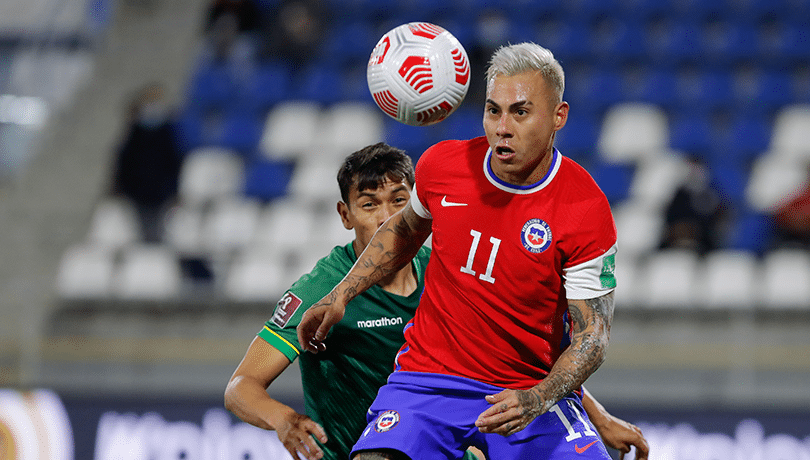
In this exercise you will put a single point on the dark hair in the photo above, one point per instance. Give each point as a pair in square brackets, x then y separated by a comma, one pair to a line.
[370, 166]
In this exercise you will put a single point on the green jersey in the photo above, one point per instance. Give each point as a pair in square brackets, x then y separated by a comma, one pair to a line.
[341, 383]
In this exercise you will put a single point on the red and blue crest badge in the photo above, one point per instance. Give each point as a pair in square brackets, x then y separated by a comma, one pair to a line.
[535, 235]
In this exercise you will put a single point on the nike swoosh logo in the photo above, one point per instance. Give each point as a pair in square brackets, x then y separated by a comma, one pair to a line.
[583, 449]
[446, 203]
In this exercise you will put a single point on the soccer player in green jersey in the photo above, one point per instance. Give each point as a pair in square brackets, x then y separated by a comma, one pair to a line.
[341, 383]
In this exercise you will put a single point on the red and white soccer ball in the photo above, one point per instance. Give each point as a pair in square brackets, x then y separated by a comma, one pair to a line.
[418, 73]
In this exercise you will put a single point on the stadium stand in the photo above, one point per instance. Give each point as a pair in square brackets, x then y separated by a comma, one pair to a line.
[651, 83]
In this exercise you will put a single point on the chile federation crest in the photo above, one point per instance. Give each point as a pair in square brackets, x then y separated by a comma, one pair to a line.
[535, 235]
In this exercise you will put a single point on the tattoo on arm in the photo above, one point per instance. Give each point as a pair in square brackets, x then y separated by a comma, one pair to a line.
[393, 246]
[591, 320]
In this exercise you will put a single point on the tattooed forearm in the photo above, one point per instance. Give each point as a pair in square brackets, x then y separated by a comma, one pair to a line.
[591, 325]
[393, 246]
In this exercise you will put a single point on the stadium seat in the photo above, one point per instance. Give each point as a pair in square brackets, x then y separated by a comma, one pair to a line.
[211, 87]
[320, 83]
[241, 131]
[184, 230]
[747, 137]
[114, 224]
[614, 180]
[728, 279]
[790, 132]
[267, 179]
[785, 281]
[651, 85]
[639, 229]
[350, 126]
[577, 139]
[291, 128]
[256, 275]
[723, 42]
[314, 180]
[703, 90]
[147, 272]
[670, 42]
[286, 225]
[230, 225]
[269, 84]
[751, 231]
[761, 91]
[773, 179]
[85, 272]
[670, 279]
[615, 40]
[691, 133]
[210, 173]
[632, 131]
[656, 180]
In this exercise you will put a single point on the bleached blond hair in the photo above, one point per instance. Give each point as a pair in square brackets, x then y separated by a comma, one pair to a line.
[511, 60]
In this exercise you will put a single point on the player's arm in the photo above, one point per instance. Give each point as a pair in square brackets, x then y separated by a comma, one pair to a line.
[512, 410]
[393, 246]
[246, 396]
[615, 432]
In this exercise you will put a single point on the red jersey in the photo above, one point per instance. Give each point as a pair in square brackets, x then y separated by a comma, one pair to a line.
[505, 260]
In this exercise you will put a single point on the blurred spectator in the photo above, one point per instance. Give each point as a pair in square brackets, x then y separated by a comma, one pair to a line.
[294, 32]
[148, 162]
[243, 13]
[695, 215]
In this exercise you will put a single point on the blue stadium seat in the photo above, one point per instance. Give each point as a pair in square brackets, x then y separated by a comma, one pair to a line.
[704, 90]
[269, 84]
[730, 178]
[464, 123]
[413, 139]
[691, 133]
[577, 139]
[567, 39]
[650, 85]
[268, 179]
[242, 130]
[751, 231]
[761, 91]
[783, 43]
[348, 44]
[211, 87]
[615, 41]
[671, 43]
[319, 83]
[613, 179]
[748, 136]
[725, 42]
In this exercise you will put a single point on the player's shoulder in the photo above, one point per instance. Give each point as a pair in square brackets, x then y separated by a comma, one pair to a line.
[453, 154]
[328, 270]
[579, 180]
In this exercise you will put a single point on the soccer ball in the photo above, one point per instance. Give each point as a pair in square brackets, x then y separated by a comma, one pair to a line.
[418, 73]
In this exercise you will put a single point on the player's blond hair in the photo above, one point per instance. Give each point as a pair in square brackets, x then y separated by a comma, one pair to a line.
[525, 57]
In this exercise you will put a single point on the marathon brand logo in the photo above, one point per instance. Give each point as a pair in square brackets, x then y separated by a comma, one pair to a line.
[379, 322]
[285, 309]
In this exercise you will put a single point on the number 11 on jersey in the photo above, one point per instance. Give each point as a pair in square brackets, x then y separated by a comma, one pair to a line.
[487, 276]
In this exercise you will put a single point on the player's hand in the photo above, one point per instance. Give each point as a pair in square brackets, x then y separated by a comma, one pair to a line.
[296, 433]
[620, 435]
[317, 321]
[511, 411]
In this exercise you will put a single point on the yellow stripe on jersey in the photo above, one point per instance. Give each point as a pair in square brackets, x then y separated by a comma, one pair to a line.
[283, 340]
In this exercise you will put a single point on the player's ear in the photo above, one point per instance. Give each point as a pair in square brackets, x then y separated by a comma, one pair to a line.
[343, 211]
[561, 115]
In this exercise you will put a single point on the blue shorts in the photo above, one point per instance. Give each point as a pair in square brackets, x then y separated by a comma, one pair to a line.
[432, 416]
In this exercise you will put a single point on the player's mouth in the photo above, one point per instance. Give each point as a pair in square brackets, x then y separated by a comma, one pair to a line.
[504, 153]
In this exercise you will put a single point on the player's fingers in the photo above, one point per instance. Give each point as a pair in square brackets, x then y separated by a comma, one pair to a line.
[310, 448]
[319, 433]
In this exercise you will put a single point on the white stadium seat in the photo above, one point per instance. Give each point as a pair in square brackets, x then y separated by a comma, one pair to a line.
[633, 131]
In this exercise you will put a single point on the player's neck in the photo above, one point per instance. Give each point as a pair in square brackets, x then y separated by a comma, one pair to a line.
[401, 283]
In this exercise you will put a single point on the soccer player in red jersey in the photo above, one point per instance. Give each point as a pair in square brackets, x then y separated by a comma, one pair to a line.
[518, 297]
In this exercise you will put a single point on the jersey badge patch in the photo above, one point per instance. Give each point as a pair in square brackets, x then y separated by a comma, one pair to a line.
[285, 308]
[536, 235]
[386, 421]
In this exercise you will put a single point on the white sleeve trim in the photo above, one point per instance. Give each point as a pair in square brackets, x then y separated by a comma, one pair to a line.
[593, 278]
[417, 206]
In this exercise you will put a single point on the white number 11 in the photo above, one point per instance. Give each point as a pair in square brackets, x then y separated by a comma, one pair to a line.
[471, 256]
